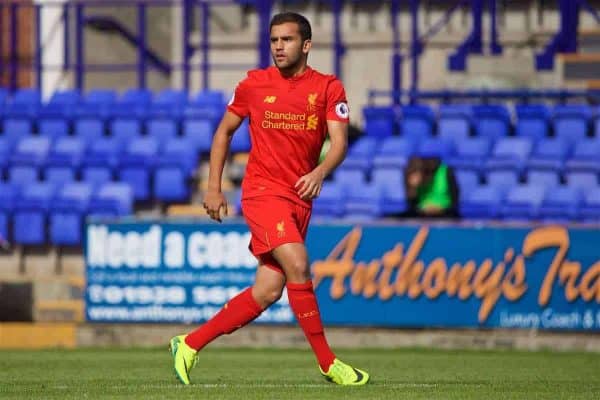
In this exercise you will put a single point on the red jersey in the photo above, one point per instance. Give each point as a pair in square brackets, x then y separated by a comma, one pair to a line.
[288, 125]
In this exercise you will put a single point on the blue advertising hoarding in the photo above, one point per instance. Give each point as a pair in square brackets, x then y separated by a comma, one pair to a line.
[377, 275]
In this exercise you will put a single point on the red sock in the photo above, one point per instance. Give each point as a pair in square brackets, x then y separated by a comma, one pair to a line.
[236, 313]
[304, 305]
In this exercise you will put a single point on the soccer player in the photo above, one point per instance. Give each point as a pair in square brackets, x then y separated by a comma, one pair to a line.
[291, 108]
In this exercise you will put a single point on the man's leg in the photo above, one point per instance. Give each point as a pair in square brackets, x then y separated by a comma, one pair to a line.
[238, 311]
[292, 257]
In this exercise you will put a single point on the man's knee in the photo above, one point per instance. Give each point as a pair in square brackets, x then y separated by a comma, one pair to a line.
[268, 295]
[298, 268]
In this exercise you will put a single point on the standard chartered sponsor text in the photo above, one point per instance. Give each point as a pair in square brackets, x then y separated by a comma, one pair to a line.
[287, 121]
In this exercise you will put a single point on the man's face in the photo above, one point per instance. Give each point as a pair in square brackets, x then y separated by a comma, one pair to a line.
[287, 48]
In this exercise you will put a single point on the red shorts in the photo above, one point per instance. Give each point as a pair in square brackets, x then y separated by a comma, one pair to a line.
[274, 221]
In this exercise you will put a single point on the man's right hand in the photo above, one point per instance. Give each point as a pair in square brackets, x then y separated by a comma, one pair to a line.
[214, 202]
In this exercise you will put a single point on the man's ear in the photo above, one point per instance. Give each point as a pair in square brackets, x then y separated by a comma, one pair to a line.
[306, 46]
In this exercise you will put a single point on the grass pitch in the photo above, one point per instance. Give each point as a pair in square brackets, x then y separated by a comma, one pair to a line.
[248, 374]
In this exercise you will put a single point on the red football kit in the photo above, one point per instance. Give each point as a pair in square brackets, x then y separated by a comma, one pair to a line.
[288, 125]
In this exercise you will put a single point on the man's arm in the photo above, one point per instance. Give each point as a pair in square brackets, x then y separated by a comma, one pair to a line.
[309, 185]
[214, 199]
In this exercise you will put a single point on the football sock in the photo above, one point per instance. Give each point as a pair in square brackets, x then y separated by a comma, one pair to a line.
[304, 305]
[236, 313]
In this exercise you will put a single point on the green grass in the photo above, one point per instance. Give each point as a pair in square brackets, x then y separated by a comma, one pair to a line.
[247, 374]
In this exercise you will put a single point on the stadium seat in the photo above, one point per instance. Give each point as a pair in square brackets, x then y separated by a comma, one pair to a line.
[585, 157]
[68, 97]
[53, 128]
[394, 198]
[161, 129]
[176, 165]
[549, 154]
[97, 104]
[436, 148]
[491, 121]
[15, 130]
[137, 164]
[394, 152]
[112, 199]
[25, 103]
[125, 129]
[89, 129]
[101, 160]
[590, 208]
[467, 180]
[532, 121]
[31, 213]
[417, 122]
[199, 132]
[502, 178]
[483, 202]
[561, 204]
[582, 180]
[349, 177]
[101, 97]
[571, 121]
[8, 199]
[364, 201]
[454, 122]
[523, 202]
[388, 176]
[67, 213]
[240, 142]
[330, 202]
[361, 153]
[211, 98]
[31, 152]
[470, 154]
[510, 154]
[4, 156]
[380, 122]
[134, 103]
[64, 160]
[543, 178]
[171, 96]
[23, 174]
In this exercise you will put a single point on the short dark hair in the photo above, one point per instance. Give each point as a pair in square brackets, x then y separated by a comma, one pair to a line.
[303, 24]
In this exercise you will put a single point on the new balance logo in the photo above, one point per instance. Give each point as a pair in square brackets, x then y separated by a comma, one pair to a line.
[270, 99]
[312, 122]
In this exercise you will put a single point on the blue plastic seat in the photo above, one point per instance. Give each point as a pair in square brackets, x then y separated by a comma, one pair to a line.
[31, 213]
[545, 178]
[532, 121]
[502, 178]
[561, 204]
[101, 97]
[64, 160]
[101, 160]
[16, 129]
[199, 132]
[388, 176]
[114, 199]
[380, 122]
[53, 128]
[208, 98]
[454, 122]
[161, 129]
[25, 103]
[483, 202]
[437, 148]
[68, 212]
[510, 154]
[132, 103]
[549, 154]
[32, 151]
[585, 157]
[349, 177]
[360, 156]
[394, 152]
[364, 201]
[8, 199]
[330, 203]
[97, 104]
[571, 121]
[582, 180]
[125, 129]
[394, 198]
[590, 208]
[89, 129]
[523, 202]
[471, 153]
[417, 122]
[175, 166]
[240, 142]
[491, 121]
[467, 181]
[137, 164]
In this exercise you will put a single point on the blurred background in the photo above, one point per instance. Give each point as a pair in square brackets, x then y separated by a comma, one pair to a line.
[469, 201]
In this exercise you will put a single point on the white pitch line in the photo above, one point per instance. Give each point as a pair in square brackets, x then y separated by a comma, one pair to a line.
[256, 385]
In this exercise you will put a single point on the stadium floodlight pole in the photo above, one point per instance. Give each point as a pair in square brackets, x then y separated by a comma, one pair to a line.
[264, 8]
[397, 54]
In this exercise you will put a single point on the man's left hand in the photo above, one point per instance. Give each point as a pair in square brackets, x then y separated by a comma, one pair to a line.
[309, 186]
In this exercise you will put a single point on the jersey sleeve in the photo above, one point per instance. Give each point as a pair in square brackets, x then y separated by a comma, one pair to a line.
[239, 103]
[337, 104]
